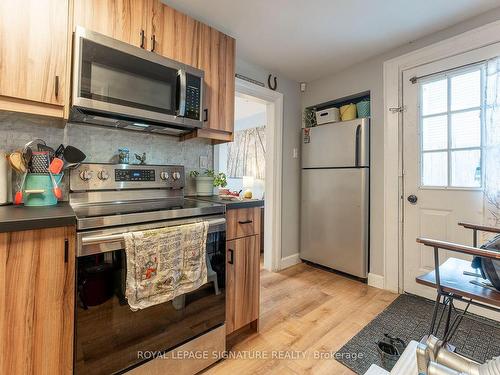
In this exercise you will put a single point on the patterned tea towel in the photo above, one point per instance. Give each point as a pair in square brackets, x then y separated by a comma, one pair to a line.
[165, 263]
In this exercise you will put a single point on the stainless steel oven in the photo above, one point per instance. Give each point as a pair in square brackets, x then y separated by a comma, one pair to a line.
[110, 200]
[120, 85]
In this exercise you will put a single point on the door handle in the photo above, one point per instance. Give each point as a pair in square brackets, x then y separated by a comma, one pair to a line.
[231, 256]
[412, 199]
[56, 87]
[142, 39]
[205, 113]
[153, 40]
[356, 149]
[245, 221]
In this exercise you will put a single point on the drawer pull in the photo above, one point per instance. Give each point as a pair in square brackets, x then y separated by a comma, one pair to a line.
[245, 222]
[231, 256]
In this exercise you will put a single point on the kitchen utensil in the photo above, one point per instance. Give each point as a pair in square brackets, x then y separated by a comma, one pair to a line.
[17, 162]
[40, 162]
[19, 194]
[48, 149]
[59, 151]
[56, 166]
[38, 189]
[27, 155]
[73, 155]
[4, 178]
[56, 189]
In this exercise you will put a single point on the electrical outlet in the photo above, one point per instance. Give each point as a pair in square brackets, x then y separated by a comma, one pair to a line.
[295, 153]
[204, 162]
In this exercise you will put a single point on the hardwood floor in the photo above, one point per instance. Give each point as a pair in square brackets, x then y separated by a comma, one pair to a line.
[307, 310]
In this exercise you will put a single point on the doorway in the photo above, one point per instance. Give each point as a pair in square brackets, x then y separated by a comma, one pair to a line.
[253, 161]
[442, 153]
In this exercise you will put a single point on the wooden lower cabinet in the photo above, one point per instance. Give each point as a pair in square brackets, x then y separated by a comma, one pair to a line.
[37, 277]
[242, 282]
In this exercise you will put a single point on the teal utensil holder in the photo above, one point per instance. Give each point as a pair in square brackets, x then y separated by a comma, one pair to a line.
[363, 108]
[40, 182]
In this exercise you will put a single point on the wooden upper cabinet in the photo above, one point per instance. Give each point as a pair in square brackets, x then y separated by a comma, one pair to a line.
[176, 35]
[33, 55]
[125, 20]
[217, 59]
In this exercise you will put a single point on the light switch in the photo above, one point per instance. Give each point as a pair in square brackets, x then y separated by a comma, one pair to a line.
[204, 162]
[295, 153]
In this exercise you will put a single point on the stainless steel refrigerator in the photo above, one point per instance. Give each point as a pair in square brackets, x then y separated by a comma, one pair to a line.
[335, 196]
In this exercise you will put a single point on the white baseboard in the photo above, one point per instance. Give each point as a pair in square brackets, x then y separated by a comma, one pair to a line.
[289, 261]
[375, 280]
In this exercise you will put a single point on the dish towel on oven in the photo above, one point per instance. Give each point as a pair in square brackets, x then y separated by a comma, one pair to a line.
[165, 263]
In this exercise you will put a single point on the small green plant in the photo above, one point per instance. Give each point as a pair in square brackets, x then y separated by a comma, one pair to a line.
[207, 173]
[220, 180]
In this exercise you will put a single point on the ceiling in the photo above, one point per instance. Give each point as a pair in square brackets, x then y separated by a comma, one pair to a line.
[306, 40]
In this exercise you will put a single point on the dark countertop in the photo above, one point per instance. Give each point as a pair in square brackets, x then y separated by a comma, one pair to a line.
[17, 218]
[232, 204]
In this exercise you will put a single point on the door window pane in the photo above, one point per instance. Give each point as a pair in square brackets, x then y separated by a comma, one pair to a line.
[435, 133]
[434, 97]
[466, 129]
[466, 168]
[435, 169]
[466, 90]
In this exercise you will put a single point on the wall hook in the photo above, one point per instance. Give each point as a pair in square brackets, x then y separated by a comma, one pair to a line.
[272, 87]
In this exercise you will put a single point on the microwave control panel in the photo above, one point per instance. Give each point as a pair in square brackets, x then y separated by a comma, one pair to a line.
[193, 96]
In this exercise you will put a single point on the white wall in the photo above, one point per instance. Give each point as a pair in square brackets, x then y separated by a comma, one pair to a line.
[368, 75]
[291, 139]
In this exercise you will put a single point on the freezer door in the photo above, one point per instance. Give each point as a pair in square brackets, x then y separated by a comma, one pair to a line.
[339, 144]
[335, 219]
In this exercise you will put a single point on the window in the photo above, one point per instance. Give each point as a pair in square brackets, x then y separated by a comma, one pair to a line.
[451, 116]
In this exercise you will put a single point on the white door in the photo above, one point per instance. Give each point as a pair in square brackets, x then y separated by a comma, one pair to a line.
[442, 139]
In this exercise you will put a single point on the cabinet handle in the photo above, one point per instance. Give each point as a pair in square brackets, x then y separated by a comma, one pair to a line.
[66, 251]
[245, 222]
[56, 87]
[205, 115]
[153, 40]
[231, 256]
[142, 39]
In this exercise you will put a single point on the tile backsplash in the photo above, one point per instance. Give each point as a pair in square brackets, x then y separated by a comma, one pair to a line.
[101, 144]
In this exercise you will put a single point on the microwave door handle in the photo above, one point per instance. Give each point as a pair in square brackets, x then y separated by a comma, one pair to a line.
[181, 105]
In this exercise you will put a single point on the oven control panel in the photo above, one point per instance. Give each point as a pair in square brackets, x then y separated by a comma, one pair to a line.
[91, 177]
[134, 175]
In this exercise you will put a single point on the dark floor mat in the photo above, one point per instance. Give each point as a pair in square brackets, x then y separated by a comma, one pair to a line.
[408, 318]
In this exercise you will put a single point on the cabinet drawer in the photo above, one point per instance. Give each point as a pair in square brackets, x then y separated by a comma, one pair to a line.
[243, 222]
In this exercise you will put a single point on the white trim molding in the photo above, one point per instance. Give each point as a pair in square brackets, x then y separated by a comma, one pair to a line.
[274, 168]
[393, 175]
[377, 281]
[289, 261]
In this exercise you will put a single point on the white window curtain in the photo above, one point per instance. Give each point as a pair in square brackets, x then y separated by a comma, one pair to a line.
[492, 144]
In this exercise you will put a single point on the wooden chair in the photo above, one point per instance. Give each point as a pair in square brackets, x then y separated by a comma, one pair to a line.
[455, 280]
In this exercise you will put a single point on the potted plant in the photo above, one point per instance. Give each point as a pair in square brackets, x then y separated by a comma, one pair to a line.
[204, 182]
[220, 181]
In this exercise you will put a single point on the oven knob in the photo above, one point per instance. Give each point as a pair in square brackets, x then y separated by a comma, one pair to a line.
[164, 175]
[103, 175]
[176, 175]
[85, 175]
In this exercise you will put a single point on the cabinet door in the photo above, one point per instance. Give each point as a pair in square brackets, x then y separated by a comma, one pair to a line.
[217, 59]
[34, 50]
[243, 284]
[125, 20]
[176, 35]
[37, 278]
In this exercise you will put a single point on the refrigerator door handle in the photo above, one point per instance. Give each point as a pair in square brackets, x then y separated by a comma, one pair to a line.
[356, 149]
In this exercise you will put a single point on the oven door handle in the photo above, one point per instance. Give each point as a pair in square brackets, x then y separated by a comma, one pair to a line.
[93, 240]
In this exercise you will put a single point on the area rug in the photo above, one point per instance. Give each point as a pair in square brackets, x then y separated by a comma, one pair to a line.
[408, 318]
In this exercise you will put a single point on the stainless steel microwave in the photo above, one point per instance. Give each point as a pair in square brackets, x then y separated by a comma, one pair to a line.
[120, 85]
